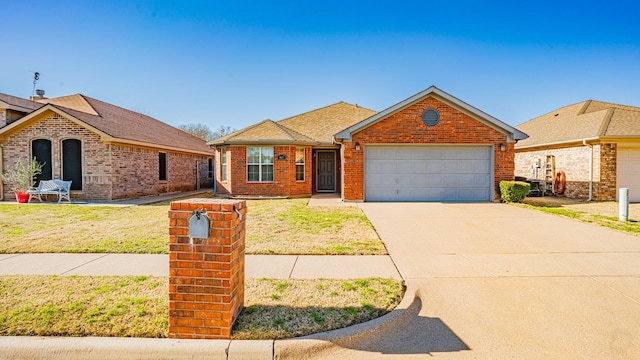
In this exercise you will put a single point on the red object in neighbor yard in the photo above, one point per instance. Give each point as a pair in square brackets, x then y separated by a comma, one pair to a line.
[560, 183]
[22, 197]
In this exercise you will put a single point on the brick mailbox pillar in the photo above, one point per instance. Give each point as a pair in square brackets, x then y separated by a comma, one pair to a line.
[206, 275]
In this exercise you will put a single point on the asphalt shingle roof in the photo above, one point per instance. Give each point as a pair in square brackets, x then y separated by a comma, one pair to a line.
[20, 102]
[316, 126]
[266, 131]
[125, 124]
[321, 124]
[585, 120]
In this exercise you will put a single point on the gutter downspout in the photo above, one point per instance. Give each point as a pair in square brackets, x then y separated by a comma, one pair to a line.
[584, 142]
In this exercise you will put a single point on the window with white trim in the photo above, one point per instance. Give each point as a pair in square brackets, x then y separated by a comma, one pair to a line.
[259, 164]
[300, 164]
[223, 164]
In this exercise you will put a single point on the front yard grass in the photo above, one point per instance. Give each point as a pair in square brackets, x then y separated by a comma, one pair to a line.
[600, 213]
[273, 227]
[291, 227]
[137, 306]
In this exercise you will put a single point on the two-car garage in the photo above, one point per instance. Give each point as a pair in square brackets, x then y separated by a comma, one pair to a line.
[431, 146]
[428, 173]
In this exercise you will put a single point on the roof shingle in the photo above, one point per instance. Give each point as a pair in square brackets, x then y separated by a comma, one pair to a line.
[321, 124]
[19, 102]
[313, 127]
[585, 120]
[124, 124]
[266, 131]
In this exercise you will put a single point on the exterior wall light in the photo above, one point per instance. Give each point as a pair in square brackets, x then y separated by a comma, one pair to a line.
[357, 146]
[503, 147]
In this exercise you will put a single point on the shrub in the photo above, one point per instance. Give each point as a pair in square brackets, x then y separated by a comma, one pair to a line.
[513, 191]
[20, 176]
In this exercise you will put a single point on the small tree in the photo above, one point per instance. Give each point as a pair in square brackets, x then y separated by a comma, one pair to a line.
[222, 131]
[201, 131]
[20, 176]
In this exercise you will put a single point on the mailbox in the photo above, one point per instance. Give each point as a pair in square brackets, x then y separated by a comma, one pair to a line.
[199, 225]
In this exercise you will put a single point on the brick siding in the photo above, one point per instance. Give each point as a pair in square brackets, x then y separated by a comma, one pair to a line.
[406, 127]
[109, 171]
[574, 162]
[284, 174]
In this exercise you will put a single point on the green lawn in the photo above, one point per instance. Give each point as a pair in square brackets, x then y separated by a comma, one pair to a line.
[284, 226]
[599, 213]
[137, 306]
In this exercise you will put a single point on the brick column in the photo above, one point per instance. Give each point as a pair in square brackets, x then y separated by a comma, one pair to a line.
[206, 276]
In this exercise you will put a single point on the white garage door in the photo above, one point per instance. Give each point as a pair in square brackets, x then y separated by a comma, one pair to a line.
[629, 172]
[428, 173]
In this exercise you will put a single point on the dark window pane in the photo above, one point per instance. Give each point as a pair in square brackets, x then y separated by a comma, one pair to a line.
[253, 173]
[162, 166]
[41, 150]
[267, 172]
[72, 162]
[299, 172]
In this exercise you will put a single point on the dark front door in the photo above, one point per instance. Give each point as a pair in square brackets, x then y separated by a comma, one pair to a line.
[326, 171]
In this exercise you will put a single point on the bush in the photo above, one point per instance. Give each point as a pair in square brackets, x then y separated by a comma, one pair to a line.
[20, 176]
[513, 191]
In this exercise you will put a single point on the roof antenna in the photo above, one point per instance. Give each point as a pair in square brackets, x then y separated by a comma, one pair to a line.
[36, 77]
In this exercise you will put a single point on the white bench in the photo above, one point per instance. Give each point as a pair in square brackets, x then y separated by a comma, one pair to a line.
[51, 187]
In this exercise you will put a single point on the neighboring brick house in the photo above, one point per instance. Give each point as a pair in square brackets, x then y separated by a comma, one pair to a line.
[595, 144]
[429, 147]
[108, 152]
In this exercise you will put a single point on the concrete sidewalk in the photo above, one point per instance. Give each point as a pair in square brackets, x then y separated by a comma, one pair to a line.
[256, 266]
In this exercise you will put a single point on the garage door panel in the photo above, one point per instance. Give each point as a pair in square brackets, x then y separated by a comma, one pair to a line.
[428, 173]
[482, 167]
[434, 166]
[628, 173]
[482, 180]
[419, 180]
[411, 166]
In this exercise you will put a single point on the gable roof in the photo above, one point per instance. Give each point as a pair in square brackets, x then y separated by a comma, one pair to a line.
[115, 124]
[77, 102]
[16, 103]
[587, 120]
[265, 132]
[321, 124]
[512, 133]
[315, 127]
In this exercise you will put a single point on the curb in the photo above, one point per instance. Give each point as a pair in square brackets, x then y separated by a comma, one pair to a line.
[319, 345]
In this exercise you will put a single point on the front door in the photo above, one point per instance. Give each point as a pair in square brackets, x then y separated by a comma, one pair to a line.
[326, 165]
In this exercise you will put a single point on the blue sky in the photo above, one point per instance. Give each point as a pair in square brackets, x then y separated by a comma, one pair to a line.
[239, 62]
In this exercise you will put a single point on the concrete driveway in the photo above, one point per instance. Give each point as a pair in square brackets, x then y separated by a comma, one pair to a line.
[499, 282]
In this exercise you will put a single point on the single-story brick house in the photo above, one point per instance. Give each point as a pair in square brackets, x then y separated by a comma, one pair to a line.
[108, 152]
[428, 147]
[595, 144]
